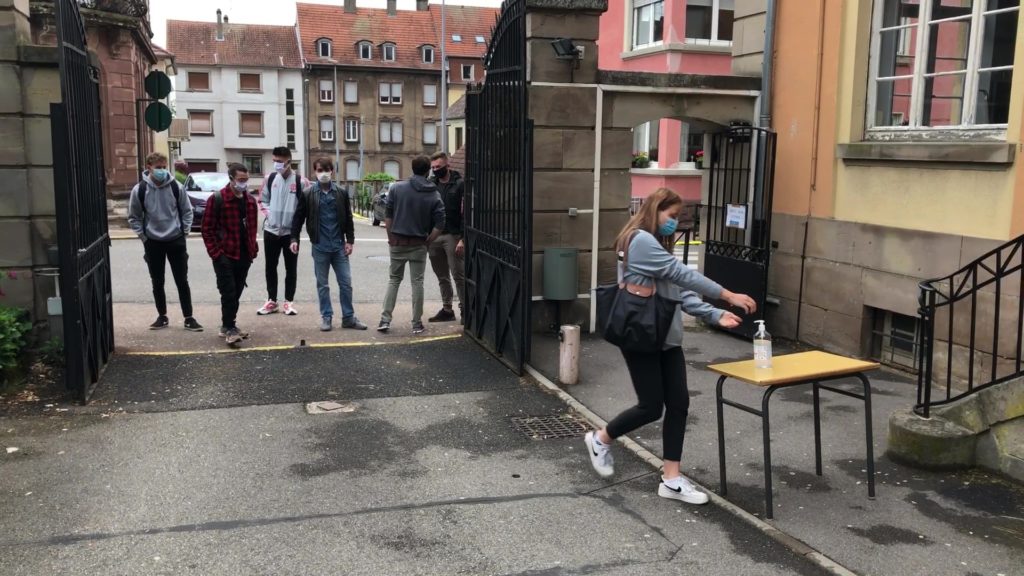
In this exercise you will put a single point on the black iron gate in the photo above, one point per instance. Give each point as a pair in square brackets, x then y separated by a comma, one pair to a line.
[80, 195]
[737, 246]
[498, 200]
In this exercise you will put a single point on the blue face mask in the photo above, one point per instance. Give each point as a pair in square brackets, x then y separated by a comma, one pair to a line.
[669, 227]
[160, 174]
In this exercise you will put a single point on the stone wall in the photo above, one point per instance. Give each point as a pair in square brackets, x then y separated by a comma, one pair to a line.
[29, 83]
[851, 269]
[748, 37]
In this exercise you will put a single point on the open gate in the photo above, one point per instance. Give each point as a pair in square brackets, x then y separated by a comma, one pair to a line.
[80, 194]
[737, 244]
[498, 204]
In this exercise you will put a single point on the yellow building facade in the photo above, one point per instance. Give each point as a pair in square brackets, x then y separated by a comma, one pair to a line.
[899, 149]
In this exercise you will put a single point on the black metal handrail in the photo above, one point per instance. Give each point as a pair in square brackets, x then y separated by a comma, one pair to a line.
[997, 268]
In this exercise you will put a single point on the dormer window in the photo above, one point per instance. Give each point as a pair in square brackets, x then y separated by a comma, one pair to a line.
[456, 38]
[323, 48]
[479, 39]
[428, 54]
[365, 51]
[388, 52]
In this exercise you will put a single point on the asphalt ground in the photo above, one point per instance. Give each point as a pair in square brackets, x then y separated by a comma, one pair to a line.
[214, 467]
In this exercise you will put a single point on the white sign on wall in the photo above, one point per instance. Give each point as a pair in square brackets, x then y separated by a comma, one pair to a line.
[736, 216]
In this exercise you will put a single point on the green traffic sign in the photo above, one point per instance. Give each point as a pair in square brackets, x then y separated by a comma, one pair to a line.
[158, 85]
[158, 116]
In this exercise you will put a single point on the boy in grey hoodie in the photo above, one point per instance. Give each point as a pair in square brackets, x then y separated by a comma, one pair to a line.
[278, 199]
[415, 218]
[161, 216]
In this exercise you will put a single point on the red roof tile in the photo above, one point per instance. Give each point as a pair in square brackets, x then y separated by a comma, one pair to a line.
[409, 30]
[468, 22]
[195, 43]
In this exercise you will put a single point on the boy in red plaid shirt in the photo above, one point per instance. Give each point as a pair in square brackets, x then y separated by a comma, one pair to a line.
[229, 232]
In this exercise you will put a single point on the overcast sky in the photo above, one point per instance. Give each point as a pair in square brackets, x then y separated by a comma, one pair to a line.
[257, 11]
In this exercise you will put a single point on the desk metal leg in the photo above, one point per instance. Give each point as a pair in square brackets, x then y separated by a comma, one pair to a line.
[817, 430]
[869, 435]
[721, 435]
[765, 426]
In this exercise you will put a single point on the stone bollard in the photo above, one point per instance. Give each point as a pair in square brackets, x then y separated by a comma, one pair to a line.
[569, 354]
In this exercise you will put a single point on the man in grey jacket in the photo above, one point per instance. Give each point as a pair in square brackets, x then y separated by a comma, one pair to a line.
[278, 199]
[415, 217]
[160, 214]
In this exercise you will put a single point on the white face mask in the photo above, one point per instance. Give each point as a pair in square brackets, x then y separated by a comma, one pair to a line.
[280, 167]
[324, 177]
[241, 186]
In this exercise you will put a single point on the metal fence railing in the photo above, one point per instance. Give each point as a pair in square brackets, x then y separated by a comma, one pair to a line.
[971, 328]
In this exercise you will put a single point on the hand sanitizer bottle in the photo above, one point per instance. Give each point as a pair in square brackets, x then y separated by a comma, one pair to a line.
[762, 347]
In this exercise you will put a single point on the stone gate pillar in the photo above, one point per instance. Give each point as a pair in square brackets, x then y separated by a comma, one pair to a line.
[29, 82]
[580, 195]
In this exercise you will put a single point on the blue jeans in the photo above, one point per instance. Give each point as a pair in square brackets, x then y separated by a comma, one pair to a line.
[322, 264]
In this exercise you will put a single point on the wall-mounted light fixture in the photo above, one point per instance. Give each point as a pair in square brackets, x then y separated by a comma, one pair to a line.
[566, 49]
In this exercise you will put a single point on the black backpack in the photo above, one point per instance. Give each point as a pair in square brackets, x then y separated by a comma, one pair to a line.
[144, 186]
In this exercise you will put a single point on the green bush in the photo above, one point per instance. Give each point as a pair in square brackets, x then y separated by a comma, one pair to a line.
[14, 327]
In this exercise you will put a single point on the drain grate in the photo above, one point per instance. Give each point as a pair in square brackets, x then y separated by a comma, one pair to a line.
[550, 427]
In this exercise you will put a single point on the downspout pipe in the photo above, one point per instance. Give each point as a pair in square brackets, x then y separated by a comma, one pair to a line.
[767, 68]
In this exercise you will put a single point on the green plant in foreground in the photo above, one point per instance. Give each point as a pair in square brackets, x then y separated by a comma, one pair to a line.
[14, 326]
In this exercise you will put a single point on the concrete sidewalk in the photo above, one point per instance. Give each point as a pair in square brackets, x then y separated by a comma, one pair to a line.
[919, 523]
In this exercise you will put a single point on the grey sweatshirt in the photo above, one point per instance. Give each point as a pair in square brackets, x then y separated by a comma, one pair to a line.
[649, 262]
[415, 208]
[277, 202]
[161, 220]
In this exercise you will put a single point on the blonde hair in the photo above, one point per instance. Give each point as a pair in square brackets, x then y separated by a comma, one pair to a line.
[646, 218]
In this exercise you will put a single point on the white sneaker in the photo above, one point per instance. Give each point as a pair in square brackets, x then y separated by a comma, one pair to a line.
[600, 456]
[681, 489]
[289, 309]
[269, 308]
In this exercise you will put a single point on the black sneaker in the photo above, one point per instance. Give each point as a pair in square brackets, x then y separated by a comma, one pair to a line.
[418, 328]
[223, 332]
[384, 326]
[443, 316]
[161, 322]
[192, 326]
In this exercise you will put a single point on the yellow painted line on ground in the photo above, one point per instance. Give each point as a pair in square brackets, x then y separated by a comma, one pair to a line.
[124, 237]
[359, 216]
[292, 347]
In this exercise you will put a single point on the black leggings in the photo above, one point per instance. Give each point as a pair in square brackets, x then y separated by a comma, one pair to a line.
[659, 379]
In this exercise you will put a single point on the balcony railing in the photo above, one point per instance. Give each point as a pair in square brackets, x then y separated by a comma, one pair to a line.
[972, 328]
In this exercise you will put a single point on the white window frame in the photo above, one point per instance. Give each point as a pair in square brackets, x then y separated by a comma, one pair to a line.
[320, 44]
[472, 72]
[645, 142]
[398, 173]
[194, 132]
[428, 50]
[390, 132]
[326, 94]
[480, 40]
[638, 5]
[250, 134]
[716, 7]
[188, 80]
[388, 47]
[350, 174]
[919, 73]
[351, 95]
[430, 89]
[390, 93]
[436, 128]
[365, 51]
[326, 135]
[351, 130]
[456, 37]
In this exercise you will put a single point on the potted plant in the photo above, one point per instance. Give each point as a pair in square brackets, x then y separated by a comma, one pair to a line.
[641, 160]
[698, 159]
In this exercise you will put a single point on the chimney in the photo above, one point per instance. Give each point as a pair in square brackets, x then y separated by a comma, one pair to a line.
[220, 25]
[392, 7]
[350, 6]
[421, 5]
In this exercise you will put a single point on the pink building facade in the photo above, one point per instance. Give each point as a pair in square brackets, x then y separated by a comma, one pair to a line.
[674, 37]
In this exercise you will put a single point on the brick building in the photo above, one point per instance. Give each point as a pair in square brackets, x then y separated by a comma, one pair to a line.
[119, 33]
[374, 95]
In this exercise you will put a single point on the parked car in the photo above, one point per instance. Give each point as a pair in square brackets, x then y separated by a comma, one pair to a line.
[379, 206]
[200, 186]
